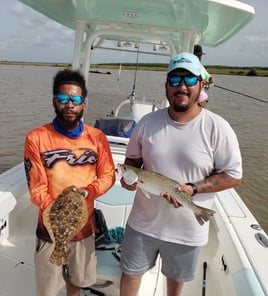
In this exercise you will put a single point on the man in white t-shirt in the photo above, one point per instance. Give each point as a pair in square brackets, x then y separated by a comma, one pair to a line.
[197, 148]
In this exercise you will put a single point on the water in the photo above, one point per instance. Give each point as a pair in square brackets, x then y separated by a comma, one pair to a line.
[26, 102]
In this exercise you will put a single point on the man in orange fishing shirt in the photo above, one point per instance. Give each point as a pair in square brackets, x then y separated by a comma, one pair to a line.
[64, 153]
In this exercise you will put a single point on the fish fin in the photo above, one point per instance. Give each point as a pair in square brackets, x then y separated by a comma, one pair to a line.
[203, 215]
[58, 256]
[46, 221]
[146, 193]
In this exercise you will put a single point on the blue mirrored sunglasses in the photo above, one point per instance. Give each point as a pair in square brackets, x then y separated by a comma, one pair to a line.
[64, 99]
[189, 80]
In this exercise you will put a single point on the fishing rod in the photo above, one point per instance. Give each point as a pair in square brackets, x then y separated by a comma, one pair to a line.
[132, 94]
[204, 282]
[135, 76]
[242, 94]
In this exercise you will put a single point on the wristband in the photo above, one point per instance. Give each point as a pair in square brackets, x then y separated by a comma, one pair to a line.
[193, 186]
[85, 193]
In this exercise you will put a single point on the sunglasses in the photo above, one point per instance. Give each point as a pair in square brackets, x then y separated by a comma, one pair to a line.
[64, 99]
[189, 80]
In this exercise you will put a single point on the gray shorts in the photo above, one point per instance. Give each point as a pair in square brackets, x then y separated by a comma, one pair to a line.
[139, 254]
[81, 268]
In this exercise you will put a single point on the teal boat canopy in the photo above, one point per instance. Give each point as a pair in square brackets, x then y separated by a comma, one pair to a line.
[213, 21]
[176, 25]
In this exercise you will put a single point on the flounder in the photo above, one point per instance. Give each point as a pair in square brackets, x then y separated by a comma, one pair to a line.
[64, 218]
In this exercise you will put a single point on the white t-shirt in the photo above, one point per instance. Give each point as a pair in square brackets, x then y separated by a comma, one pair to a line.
[187, 152]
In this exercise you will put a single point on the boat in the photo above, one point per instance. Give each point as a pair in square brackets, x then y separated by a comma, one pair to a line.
[235, 260]
[99, 72]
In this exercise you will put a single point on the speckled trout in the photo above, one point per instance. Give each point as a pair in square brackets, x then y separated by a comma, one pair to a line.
[155, 183]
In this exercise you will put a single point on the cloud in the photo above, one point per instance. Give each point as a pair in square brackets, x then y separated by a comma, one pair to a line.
[45, 39]
[30, 36]
[248, 48]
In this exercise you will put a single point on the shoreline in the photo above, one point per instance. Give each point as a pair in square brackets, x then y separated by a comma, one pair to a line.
[212, 69]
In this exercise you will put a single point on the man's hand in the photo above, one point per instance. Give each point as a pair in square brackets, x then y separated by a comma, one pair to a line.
[172, 200]
[68, 189]
[130, 187]
[73, 188]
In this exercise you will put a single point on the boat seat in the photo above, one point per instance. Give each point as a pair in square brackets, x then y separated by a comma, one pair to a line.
[115, 205]
[7, 204]
[116, 126]
[140, 109]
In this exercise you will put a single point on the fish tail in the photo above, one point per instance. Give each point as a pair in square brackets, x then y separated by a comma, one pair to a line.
[203, 215]
[58, 256]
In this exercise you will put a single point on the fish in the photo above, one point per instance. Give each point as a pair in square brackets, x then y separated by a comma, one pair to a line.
[155, 183]
[63, 219]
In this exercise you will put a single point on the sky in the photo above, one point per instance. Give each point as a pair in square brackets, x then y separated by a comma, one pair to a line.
[25, 35]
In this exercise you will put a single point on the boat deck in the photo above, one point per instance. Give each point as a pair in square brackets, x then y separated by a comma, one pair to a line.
[17, 262]
[16, 257]
[228, 253]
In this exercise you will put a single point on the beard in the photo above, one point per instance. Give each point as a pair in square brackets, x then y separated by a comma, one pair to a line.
[65, 122]
[179, 107]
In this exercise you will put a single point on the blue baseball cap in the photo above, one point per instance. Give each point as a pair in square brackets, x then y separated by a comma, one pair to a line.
[186, 61]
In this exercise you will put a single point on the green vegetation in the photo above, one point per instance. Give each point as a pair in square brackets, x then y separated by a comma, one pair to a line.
[244, 71]
[35, 64]
[224, 70]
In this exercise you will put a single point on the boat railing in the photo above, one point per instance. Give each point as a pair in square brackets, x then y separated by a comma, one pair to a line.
[140, 107]
[235, 222]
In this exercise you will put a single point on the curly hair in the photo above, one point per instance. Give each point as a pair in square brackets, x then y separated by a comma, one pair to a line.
[69, 76]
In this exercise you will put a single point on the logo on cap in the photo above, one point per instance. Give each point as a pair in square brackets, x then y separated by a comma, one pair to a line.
[182, 60]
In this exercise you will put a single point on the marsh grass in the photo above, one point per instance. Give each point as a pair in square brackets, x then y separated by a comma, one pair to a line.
[224, 70]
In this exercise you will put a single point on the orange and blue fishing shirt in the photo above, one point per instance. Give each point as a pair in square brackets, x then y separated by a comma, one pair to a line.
[54, 161]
